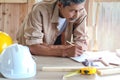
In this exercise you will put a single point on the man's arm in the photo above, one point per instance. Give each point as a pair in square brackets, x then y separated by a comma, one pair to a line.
[80, 34]
[53, 50]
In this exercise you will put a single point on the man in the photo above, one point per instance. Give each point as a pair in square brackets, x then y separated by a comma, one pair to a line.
[50, 25]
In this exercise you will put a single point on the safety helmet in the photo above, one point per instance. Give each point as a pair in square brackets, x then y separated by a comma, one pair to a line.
[5, 41]
[16, 62]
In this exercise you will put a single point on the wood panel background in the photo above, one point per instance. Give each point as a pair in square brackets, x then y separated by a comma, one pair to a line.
[12, 15]
[13, 1]
[108, 26]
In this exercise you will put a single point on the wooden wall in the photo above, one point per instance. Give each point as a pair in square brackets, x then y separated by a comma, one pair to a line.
[104, 25]
[12, 15]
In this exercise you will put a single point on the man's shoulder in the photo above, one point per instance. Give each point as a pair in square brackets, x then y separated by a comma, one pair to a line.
[44, 5]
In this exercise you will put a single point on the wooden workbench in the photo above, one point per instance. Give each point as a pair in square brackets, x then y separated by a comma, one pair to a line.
[61, 62]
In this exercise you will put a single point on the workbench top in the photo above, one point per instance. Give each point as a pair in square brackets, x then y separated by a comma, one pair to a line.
[42, 61]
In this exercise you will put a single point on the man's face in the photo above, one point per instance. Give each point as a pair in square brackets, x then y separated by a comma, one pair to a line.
[72, 12]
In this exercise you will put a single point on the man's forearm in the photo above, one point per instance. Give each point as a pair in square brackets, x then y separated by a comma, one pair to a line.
[52, 50]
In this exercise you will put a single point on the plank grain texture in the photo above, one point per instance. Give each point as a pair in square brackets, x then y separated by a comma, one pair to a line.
[13, 1]
[12, 16]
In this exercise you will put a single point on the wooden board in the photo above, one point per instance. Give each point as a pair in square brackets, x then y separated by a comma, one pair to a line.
[109, 71]
[107, 0]
[11, 21]
[1, 17]
[13, 1]
[12, 16]
[90, 12]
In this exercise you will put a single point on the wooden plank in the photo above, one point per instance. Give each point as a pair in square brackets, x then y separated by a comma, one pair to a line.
[15, 14]
[90, 12]
[2, 13]
[12, 16]
[104, 72]
[60, 68]
[23, 11]
[95, 26]
[11, 19]
[13, 1]
[107, 0]
[0, 16]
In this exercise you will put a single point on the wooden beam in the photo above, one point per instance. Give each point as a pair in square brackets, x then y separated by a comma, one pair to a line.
[2, 13]
[107, 0]
[109, 71]
[13, 1]
[90, 12]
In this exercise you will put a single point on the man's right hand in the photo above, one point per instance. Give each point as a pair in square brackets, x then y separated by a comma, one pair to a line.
[72, 51]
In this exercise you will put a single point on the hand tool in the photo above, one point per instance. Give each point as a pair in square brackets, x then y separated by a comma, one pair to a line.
[83, 71]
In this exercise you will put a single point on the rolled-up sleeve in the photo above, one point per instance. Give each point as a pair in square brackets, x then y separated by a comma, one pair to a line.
[33, 28]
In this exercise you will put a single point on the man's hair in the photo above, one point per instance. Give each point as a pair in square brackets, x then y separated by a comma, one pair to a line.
[68, 2]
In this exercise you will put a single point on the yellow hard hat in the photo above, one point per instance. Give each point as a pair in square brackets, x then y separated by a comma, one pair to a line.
[5, 40]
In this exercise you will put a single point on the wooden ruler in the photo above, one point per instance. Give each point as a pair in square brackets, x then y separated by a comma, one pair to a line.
[61, 68]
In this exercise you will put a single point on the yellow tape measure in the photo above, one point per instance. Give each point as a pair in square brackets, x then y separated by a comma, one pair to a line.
[83, 71]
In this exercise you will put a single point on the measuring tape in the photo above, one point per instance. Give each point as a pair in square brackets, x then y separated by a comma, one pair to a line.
[83, 71]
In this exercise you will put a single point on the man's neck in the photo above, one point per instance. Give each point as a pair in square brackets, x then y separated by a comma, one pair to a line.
[60, 15]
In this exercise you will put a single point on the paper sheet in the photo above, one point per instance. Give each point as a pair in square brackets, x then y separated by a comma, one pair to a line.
[107, 56]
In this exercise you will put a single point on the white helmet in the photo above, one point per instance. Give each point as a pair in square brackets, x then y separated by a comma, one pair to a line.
[16, 62]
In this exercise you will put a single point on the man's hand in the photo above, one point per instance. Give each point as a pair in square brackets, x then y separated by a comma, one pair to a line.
[78, 50]
[72, 50]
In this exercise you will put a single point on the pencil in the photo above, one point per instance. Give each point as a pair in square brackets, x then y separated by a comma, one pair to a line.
[70, 43]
